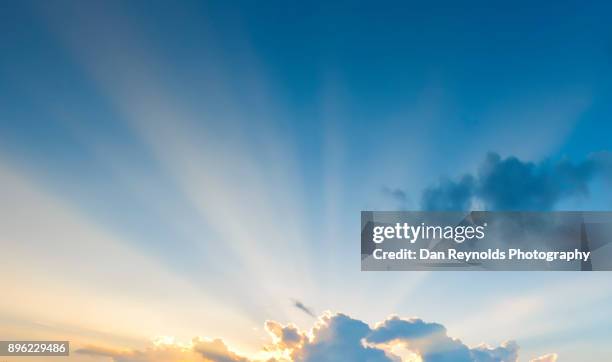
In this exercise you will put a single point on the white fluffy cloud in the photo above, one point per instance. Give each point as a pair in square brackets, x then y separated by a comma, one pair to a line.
[339, 338]
[334, 338]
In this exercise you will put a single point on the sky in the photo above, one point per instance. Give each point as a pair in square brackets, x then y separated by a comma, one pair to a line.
[197, 169]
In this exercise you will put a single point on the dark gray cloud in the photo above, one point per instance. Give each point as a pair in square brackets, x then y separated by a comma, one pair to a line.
[512, 184]
[398, 195]
[299, 305]
[449, 194]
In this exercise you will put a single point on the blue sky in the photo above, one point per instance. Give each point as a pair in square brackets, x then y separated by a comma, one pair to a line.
[210, 159]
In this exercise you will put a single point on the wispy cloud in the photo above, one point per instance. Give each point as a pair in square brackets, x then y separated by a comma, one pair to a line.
[299, 305]
[551, 357]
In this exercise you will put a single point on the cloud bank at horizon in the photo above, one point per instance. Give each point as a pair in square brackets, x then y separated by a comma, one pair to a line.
[334, 338]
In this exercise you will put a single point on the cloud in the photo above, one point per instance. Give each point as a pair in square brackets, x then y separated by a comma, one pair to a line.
[285, 337]
[334, 338]
[398, 195]
[299, 305]
[508, 351]
[431, 342]
[156, 353]
[547, 358]
[339, 338]
[198, 351]
[216, 351]
[512, 184]
[449, 194]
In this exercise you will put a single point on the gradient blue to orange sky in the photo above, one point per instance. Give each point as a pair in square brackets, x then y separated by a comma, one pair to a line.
[195, 168]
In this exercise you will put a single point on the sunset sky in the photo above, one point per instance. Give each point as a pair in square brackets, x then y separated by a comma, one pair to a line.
[174, 170]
